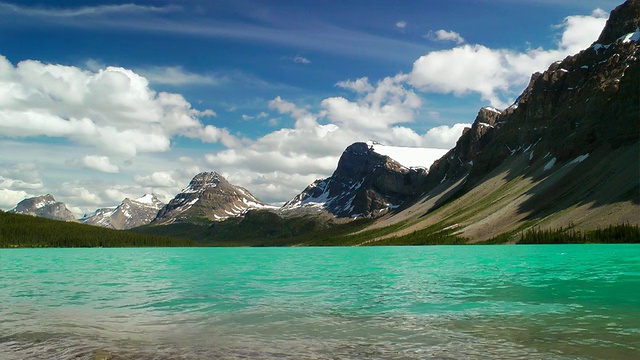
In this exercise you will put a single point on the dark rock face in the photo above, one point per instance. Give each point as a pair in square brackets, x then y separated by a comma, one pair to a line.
[584, 102]
[129, 214]
[44, 206]
[365, 183]
[209, 196]
[624, 19]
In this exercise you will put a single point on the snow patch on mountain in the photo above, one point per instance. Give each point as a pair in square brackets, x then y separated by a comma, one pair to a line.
[634, 36]
[411, 157]
[147, 199]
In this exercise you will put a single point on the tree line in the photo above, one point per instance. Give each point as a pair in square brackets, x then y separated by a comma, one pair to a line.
[624, 233]
[18, 230]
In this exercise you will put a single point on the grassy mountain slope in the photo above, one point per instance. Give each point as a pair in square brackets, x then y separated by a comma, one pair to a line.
[519, 195]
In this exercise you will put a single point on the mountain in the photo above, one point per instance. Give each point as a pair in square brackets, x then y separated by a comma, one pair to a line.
[370, 179]
[44, 206]
[209, 196]
[566, 154]
[129, 214]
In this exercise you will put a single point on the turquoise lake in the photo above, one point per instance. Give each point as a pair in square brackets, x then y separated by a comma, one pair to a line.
[438, 302]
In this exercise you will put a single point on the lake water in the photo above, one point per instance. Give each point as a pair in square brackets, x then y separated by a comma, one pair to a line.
[439, 302]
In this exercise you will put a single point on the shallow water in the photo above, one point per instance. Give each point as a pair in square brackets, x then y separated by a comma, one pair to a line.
[440, 302]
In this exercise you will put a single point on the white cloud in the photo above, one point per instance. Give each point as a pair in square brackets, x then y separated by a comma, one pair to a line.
[444, 35]
[387, 104]
[301, 60]
[580, 31]
[10, 198]
[77, 194]
[161, 179]
[99, 163]
[176, 75]
[112, 109]
[27, 173]
[499, 74]
[401, 24]
[261, 115]
[444, 137]
[360, 85]
[280, 164]
[87, 10]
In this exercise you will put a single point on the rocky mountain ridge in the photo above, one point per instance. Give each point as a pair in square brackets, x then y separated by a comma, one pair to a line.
[44, 206]
[366, 183]
[128, 214]
[209, 196]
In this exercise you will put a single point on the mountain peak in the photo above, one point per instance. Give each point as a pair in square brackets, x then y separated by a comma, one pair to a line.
[624, 19]
[44, 206]
[368, 180]
[149, 200]
[209, 196]
[203, 181]
[129, 214]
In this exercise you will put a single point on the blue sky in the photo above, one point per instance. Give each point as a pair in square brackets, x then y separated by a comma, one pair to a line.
[110, 99]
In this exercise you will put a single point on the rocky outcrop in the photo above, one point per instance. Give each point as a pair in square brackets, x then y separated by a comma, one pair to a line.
[581, 103]
[209, 197]
[365, 183]
[624, 19]
[459, 160]
[44, 206]
[129, 214]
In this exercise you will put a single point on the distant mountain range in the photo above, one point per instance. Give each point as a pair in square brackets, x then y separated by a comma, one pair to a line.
[565, 155]
[129, 214]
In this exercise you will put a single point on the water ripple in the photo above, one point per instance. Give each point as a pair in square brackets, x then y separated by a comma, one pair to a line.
[499, 302]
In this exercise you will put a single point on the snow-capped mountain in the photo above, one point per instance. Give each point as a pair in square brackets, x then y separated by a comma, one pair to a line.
[129, 214]
[370, 179]
[209, 196]
[44, 206]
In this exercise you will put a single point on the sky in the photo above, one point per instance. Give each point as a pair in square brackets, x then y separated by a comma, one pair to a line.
[102, 100]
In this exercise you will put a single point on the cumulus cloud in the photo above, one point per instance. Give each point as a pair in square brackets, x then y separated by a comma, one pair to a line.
[360, 85]
[96, 162]
[112, 109]
[444, 136]
[167, 183]
[389, 103]
[161, 179]
[498, 74]
[401, 24]
[21, 175]
[444, 35]
[282, 163]
[18, 182]
[79, 194]
[10, 198]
